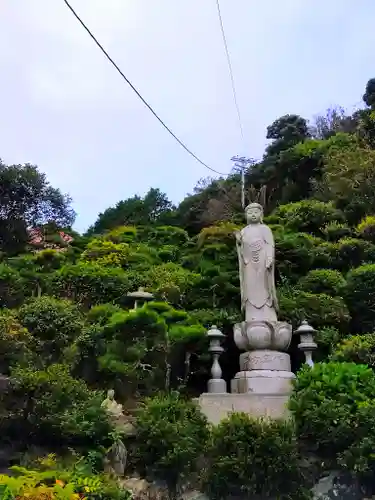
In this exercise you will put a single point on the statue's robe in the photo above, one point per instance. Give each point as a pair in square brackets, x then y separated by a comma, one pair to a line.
[256, 255]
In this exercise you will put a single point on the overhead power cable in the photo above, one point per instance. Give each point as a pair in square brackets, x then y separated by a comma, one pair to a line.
[136, 91]
[230, 71]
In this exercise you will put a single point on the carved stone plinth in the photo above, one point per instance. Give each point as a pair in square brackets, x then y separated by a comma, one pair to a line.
[265, 359]
[263, 372]
[262, 382]
[219, 406]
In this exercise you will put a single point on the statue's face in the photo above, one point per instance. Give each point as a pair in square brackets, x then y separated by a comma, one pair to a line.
[111, 394]
[253, 214]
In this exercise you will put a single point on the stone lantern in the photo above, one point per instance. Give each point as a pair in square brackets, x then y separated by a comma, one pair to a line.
[140, 296]
[307, 344]
[216, 384]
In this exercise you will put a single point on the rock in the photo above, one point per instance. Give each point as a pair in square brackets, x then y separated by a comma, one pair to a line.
[143, 490]
[116, 459]
[194, 495]
[336, 486]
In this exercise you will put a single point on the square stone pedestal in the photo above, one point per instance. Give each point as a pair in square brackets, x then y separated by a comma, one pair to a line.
[216, 407]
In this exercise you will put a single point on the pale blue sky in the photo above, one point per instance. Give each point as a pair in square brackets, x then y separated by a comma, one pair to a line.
[64, 108]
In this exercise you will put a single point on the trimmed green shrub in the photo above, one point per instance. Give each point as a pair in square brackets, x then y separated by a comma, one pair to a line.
[326, 338]
[106, 253]
[293, 254]
[308, 216]
[325, 404]
[358, 458]
[169, 281]
[352, 252]
[360, 297]
[52, 407]
[319, 309]
[163, 235]
[249, 457]
[325, 255]
[222, 233]
[16, 344]
[172, 434]
[343, 254]
[12, 290]
[334, 231]
[169, 253]
[366, 228]
[122, 234]
[91, 284]
[328, 281]
[54, 324]
[102, 313]
[356, 349]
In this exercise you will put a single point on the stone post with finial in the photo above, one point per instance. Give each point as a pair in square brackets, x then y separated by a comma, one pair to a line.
[307, 344]
[216, 384]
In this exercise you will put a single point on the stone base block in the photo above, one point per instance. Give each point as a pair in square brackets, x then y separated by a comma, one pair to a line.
[217, 386]
[216, 407]
[262, 382]
[265, 359]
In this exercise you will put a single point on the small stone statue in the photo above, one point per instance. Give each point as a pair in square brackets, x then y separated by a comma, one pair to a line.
[113, 408]
[256, 256]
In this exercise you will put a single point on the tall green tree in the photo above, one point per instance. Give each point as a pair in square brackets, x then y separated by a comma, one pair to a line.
[28, 200]
[153, 208]
[286, 131]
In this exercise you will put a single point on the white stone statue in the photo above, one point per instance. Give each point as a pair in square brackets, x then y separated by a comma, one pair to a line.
[256, 256]
[113, 408]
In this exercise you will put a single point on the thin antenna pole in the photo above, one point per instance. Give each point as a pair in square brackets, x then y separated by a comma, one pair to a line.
[240, 165]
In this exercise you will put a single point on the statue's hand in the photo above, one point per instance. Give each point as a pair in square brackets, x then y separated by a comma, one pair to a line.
[237, 234]
[269, 262]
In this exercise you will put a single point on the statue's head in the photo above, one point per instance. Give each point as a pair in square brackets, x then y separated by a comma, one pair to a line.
[111, 394]
[254, 213]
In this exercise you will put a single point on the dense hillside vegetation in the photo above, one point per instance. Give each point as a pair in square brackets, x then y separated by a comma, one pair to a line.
[68, 330]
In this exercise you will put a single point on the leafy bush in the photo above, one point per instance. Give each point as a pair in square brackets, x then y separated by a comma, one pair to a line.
[54, 323]
[249, 457]
[328, 281]
[129, 348]
[91, 284]
[172, 434]
[52, 407]
[293, 254]
[49, 259]
[360, 297]
[16, 344]
[170, 281]
[352, 252]
[325, 404]
[12, 290]
[106, 253]
[366, 228]
[49, 480]
[326, 338]
[309, 216]
[221, 233]
[164, 235]
[334, 231]
[102, 313]
[122, 234]
[358, 458]
[319, 309]
[326, 255]
[169, 253]
[356, 349]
